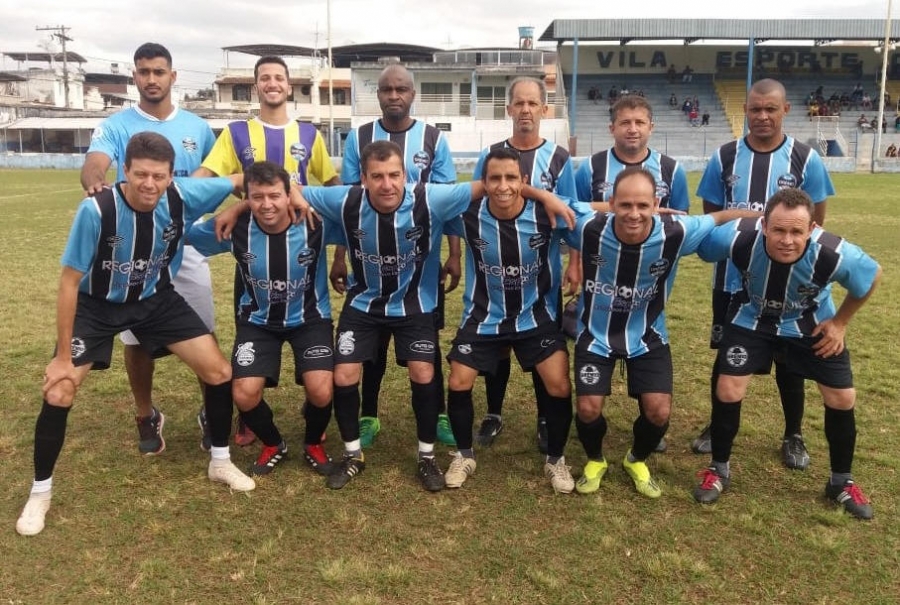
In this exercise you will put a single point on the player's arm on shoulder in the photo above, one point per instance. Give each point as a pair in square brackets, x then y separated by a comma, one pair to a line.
[716, 246]
[723, 216]
[203, 172]
[554, 205]
[710, 207]
[204, 238]
[93, 172]
[679, 197]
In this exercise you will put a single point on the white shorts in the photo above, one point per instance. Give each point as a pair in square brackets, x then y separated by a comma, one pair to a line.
[194, 283]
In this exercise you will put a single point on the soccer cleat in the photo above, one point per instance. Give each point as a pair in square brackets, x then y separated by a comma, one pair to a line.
[491, 426]
[560, 476]
[369, 427]
[150, 430]
[269, 458]
[640, 474]
[542, 436]
[662, 446]
[31, 521]
[445, 431]
[850, 497]
[794, 454]
[206, 436]
[317, 459]
[429, 473]
[224, 471]
[703, 443]
[343, 473]
[460, 469]
[711, 485]
[243, 436]
[591, 476]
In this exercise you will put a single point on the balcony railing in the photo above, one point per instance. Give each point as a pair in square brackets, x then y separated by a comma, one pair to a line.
[486, 108]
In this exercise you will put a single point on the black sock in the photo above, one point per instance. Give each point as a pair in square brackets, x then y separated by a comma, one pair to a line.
[723, 428]
[425, 407]
[495, 386]
[346, 411]
[558, 412]
[372, 375]
[317, 420]
[646, 436]
[438, 380]
[49, 435]
[261, 422]
[591, 435]
[540, 393]
[793, 399]
[219, 409]
[462, 417]
[840, 431]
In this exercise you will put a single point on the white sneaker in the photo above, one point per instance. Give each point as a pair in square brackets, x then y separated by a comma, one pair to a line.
[31, 521]
[560, 476]
[459, 470]
[224, 471]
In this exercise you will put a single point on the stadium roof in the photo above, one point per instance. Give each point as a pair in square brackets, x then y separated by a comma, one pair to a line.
[624, 31]
[7, 77]
[46, 57]
[343, 55]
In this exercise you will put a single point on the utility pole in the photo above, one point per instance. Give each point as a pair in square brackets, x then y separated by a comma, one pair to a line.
[59, 32]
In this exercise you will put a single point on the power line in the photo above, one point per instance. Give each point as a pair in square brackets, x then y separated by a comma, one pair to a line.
[59, 32]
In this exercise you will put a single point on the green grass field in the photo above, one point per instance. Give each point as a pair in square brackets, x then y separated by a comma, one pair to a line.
[124, 528]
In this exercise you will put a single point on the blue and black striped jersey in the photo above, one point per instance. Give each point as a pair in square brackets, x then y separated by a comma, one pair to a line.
[547, 166]
[595, 177]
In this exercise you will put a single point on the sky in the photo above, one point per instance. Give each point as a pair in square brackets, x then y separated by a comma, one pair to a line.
[195, 30]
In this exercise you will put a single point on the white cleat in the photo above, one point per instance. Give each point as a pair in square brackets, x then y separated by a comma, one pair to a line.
[224, 471]
[31, 521]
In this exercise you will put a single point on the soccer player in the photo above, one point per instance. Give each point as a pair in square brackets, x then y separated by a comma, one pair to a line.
[788, 264]
[548, 166]
[629, 260]
[393, 232]
[744, 174]
[510, 301]
[192, 138]
[124, 248]
[284, 298]
[427, 159]
[273, 136]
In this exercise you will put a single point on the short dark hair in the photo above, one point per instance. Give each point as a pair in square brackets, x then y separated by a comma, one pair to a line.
[630, 102]
[266, 173]
[270, 59]
[380, 151]
[499, 153]
[634, 171]
[790, 199]
[149, 146]
[152, 50]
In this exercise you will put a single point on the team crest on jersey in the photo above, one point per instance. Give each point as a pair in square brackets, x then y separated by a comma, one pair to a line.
[596, 259]
[189, 144]
[317, 352]
[603, 188]
[245, 354]
[737, 356]
[662, 190]
[589, 374]
[479, 243]
[414, 233]
[78, 347]
[537, 240]
[464, 349]
[346, 343]
[248, 257]
[299, 151]
[97, 134]
[548, 182]
[422, 160]
[787, 181]
[659, 267]
[358, 233]
[306, 257]
[422, 346]
[248, 153]
[732, 179]
[114, 241]
[170, 232]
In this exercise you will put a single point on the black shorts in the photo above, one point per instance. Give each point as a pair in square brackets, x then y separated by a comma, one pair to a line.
[482, 352]
[163, 319]
[257, 350]
[439, 310]
[647, 373]
[744, 352]
[721, 302]
[358, 336]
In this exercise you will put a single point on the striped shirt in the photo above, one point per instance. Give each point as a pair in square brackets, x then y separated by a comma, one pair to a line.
[547, 166]
[595, 178]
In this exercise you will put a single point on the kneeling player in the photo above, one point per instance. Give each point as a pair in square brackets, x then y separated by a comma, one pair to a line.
[284, 298]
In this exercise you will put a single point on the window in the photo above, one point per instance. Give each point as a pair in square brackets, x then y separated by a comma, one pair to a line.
[439, 92]
[240, 92]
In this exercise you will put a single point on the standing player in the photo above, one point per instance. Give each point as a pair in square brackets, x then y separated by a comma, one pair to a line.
[283, 298]
[192, 138]
[630, 258]
[511, 300]
[274, 137]
[744, 174]
[426, 158]
[124, 248]
[788, 265]
[545, 165]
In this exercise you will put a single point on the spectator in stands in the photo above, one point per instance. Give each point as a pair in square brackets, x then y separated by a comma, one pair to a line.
[694, 117]
[883, 124]
[613, 94]
[640, 92]
[704, 120]
[624, 91]
[686, 106]
[687, 74]
[845, 100]
[866, 101]
[874, 124]
[673, 101]
[594, 94]
[891, 151]
[810, 98]
[812, 110]
[863, 122]
[897, 123]
[672, 73]
[857, 92]
[695, 103]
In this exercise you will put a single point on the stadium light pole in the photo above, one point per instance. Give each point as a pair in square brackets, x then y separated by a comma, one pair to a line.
[885, 50]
